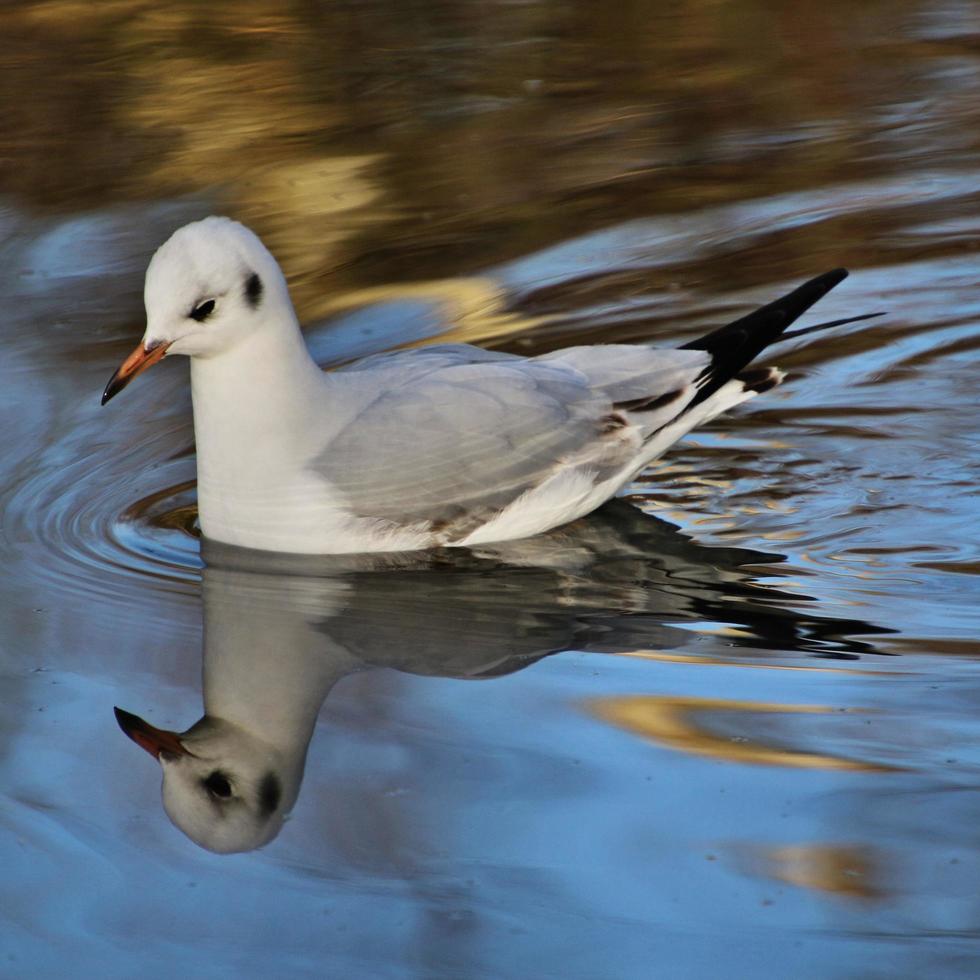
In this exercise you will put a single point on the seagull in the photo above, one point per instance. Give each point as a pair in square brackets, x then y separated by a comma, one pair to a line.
[446, 445]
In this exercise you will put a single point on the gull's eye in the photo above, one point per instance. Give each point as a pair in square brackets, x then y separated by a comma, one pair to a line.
[203, 310]
[217, 785]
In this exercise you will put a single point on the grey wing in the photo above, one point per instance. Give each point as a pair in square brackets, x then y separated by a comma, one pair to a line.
[456, 433]
[406, 365]
[630, 372]
[461, 442]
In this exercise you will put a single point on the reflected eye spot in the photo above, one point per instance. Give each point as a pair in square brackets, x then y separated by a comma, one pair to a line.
[217, 785]
[270, 793]
[203, 310]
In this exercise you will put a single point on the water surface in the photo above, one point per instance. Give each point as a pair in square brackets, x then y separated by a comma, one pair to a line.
[513, 763]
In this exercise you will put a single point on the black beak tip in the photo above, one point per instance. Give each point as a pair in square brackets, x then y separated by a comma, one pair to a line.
[112, 388]
[125, 719]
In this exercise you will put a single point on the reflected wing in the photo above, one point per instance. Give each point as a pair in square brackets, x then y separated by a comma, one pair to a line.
[456, 433]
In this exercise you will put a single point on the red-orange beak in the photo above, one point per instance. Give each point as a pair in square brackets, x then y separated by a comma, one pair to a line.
[154, 740]
[136, 363]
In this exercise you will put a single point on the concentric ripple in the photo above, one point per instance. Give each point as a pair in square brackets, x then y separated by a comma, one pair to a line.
[105, 521]
[162, 528]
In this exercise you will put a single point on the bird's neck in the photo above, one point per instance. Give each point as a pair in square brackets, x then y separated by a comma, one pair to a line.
[262, 412]
[267, 664]
[248, 396]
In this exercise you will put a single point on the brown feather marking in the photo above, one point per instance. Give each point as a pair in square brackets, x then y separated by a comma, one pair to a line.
[612, 422]
[649, 404]
[759, 379]
[458, 522]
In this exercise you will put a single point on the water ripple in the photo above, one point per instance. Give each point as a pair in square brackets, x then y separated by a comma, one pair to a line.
[79, 522]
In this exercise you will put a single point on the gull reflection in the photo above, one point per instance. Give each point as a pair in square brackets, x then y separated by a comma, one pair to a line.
[280, 631]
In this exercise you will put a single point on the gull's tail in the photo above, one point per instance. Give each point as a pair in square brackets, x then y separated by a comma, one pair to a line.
[737, 344]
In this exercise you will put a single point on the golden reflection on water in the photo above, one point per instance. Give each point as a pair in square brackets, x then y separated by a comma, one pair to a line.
[338, 128]
[471, 309]
[234, 113]
[675, 723]
[845, 870]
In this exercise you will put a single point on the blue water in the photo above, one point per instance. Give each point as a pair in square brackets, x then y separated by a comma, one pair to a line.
[727, 728]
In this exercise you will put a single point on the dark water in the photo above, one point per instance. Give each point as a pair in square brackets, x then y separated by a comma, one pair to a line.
[522, 766]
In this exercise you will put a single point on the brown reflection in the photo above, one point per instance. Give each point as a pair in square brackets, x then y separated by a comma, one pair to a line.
[846, 870]
[674, 722]
[368, 144]
[470, 309]
[686, 658]
[946, 646]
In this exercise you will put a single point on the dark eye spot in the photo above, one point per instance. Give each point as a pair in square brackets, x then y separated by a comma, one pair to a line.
[203, 310]
[253, 290]
[270, 793]
[217, 785]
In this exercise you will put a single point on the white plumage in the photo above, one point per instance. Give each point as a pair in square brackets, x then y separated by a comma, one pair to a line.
[447, 445]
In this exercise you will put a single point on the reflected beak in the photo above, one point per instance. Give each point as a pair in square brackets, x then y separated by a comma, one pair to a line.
[154, 740]
[137, 362]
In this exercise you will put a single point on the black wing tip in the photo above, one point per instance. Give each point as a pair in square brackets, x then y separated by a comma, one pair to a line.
[735, 345]
[822, 284]
[803, 331]
[803, 297]
[750, 334]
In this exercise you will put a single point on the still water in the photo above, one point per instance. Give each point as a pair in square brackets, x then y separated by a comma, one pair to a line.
[513, 763]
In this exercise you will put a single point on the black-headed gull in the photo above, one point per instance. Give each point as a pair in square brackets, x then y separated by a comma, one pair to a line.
[444, 445]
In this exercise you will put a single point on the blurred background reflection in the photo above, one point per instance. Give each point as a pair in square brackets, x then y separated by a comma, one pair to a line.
[757, 739]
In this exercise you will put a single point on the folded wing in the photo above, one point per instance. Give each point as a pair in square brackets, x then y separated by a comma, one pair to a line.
[455, 434]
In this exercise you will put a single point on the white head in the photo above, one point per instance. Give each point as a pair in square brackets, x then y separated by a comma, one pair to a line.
[208, 287]
[224, 787]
